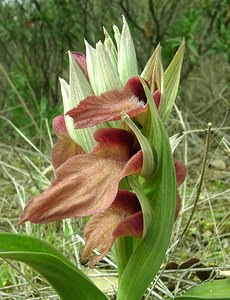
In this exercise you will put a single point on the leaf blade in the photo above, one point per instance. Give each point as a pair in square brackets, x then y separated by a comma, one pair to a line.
[69, 282]
[217, 289]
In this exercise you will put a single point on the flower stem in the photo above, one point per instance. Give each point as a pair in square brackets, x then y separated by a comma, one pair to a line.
[123, 249]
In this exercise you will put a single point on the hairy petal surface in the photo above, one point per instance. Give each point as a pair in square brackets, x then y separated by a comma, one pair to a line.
[65, 146]
[103, 228]
[87, 183]
[109, 105]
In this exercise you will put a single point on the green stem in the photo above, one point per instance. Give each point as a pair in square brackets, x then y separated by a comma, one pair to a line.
[123, 249]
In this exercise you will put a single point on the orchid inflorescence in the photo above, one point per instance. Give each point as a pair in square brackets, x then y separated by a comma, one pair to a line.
[113, 158]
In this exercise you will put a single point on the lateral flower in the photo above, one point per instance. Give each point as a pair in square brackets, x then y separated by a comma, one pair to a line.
[87, 183]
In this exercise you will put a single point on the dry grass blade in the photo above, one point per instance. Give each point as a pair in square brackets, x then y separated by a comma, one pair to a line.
[204, 165]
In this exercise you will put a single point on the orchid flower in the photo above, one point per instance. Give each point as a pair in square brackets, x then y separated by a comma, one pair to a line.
[113, 153]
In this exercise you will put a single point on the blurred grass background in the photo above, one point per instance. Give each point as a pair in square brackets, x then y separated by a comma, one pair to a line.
[34, 38]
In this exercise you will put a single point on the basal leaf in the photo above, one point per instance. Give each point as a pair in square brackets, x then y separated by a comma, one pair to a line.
[69, 282]
[217, 289]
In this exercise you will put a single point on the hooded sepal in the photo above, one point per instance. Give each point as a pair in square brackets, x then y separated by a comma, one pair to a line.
[103, 75]
[72, 94]
[110, 48]
[127, 61]
[153, 72]
[171, 82]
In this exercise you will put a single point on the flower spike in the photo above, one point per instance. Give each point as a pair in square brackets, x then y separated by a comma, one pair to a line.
[120, 173]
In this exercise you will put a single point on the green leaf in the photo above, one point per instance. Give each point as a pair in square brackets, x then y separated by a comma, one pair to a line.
[69, 282]
[217, 289]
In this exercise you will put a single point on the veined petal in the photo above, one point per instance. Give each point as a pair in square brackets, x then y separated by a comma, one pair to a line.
[111, 49]
[65, 146]
[103, 228]
[91, 66]
[117, 36]
[108, 106]
[153, 71]
[86, 183]
[81, 60]
[171, 82]
[134, 165]
[107, 75]
[157, 98]
[127, 61]
[79, 89]
[59, 126]
[147, 151]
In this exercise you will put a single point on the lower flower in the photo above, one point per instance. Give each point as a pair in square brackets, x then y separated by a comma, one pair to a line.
[88, 184]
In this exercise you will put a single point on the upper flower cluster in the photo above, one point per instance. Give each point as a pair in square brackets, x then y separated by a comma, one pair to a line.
[104, 137]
